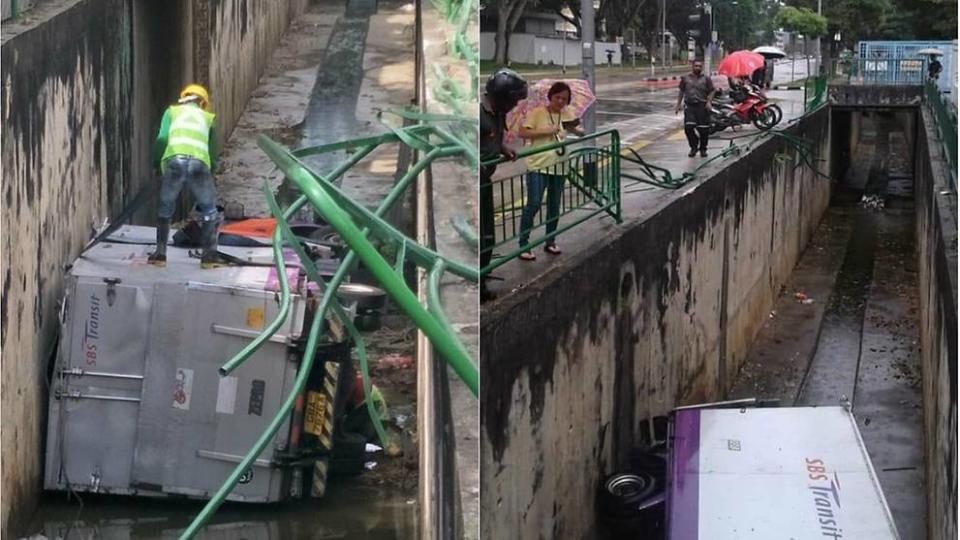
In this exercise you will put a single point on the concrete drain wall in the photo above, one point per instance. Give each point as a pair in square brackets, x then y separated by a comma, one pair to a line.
[937, 251]
[659, 314]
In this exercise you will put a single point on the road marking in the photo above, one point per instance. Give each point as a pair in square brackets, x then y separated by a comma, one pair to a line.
[636, 146]
[678, 136]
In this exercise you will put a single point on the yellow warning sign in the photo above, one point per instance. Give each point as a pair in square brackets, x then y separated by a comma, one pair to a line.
[316, 407]
[255, 318]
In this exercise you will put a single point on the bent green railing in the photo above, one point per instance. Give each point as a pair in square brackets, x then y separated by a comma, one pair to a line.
[588, 175]
[344, 215]
[945, 117]
[814, 92]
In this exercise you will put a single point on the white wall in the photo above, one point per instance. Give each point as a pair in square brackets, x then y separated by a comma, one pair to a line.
[529, 49]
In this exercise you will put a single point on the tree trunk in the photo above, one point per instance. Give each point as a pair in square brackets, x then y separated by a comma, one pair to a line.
[500, 57]
[516, 11]
[508, 15]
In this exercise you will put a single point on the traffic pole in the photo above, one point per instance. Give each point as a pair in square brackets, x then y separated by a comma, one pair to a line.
[587, 36]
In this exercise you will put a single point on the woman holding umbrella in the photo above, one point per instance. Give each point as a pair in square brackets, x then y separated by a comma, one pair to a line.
[542, 125]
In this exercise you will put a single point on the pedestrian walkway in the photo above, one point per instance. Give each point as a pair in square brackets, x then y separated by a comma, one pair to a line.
[667, 150]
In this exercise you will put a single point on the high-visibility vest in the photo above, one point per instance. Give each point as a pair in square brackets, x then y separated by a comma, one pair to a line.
[189, 133]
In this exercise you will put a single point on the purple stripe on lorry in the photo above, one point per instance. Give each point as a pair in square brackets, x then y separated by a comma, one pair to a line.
[683, 494]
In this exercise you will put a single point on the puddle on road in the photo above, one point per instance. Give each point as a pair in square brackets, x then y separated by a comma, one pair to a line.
[347, 511]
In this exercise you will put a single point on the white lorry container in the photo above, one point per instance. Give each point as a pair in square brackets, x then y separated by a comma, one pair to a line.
[772, 473]
[137, 405]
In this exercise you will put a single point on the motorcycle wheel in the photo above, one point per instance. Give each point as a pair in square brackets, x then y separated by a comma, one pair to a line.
[777, 111]
[765, 119]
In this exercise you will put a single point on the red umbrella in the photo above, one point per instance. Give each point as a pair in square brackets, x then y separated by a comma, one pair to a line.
[740, 64]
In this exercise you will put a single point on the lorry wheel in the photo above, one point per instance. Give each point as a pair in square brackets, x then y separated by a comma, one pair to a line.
[623, 494]
[367, 322]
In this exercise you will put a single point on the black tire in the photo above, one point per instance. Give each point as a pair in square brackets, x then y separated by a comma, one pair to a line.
[776, 109]
[368, 322]
[765, 119]
[622, 494]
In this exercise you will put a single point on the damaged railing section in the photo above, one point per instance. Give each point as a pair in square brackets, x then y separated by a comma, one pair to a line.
[353, 222]
[582, 181]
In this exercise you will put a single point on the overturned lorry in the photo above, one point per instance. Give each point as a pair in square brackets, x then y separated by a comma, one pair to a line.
[137, 404]
[739, 471]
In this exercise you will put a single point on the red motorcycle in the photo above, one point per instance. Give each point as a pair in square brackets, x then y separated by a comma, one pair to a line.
[745, 105]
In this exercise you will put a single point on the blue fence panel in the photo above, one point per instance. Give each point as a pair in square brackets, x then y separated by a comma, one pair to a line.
[904, 50]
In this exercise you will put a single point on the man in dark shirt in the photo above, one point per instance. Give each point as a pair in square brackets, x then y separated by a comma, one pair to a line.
[934, 69]
[696, 94]
[504, 90]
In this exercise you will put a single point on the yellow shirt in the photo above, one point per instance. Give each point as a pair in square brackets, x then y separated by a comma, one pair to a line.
[539, 119]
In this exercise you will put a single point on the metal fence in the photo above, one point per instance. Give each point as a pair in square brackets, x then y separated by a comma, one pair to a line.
[861, 71]
[585, 178]
[945, 116]
[908, 50]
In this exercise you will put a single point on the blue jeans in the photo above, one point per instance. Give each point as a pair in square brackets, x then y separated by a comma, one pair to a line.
[178, 170]
[536, 183]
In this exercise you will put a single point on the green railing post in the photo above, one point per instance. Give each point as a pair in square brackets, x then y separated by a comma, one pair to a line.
[592, 173]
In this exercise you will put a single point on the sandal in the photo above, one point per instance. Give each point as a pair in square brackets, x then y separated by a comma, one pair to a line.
[528, 256]
[552, 249]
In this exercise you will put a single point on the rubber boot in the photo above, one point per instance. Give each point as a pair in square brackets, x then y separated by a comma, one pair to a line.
[208, 233]
[159, 257]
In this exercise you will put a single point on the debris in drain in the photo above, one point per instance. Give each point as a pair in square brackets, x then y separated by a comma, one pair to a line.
[872, 202]
[396, 361]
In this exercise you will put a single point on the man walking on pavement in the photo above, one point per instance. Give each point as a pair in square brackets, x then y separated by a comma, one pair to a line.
[504, 90]
[186, 147]
[696, 94]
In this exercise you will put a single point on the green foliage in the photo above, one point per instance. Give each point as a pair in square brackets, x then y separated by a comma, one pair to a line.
[737, 25]
[857, 20]
[803, 21]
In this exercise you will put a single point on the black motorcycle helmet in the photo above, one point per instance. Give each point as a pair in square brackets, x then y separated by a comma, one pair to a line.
[505, 88]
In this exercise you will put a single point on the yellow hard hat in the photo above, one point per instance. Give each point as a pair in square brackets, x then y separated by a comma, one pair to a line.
[199, 91]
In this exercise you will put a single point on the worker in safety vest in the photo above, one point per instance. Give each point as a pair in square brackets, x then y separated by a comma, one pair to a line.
[186, 150]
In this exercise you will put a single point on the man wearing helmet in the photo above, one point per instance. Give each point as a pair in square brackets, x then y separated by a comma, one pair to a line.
[186, 154]
[504, 90]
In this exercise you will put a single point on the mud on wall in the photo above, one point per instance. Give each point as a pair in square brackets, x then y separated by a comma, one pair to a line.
[937, 253]
[66, 153]
[659, 313]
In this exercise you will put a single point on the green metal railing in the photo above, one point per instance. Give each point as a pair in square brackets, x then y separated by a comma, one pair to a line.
[945, 117]
[588, 170]
[814, 92]
[354, 223]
